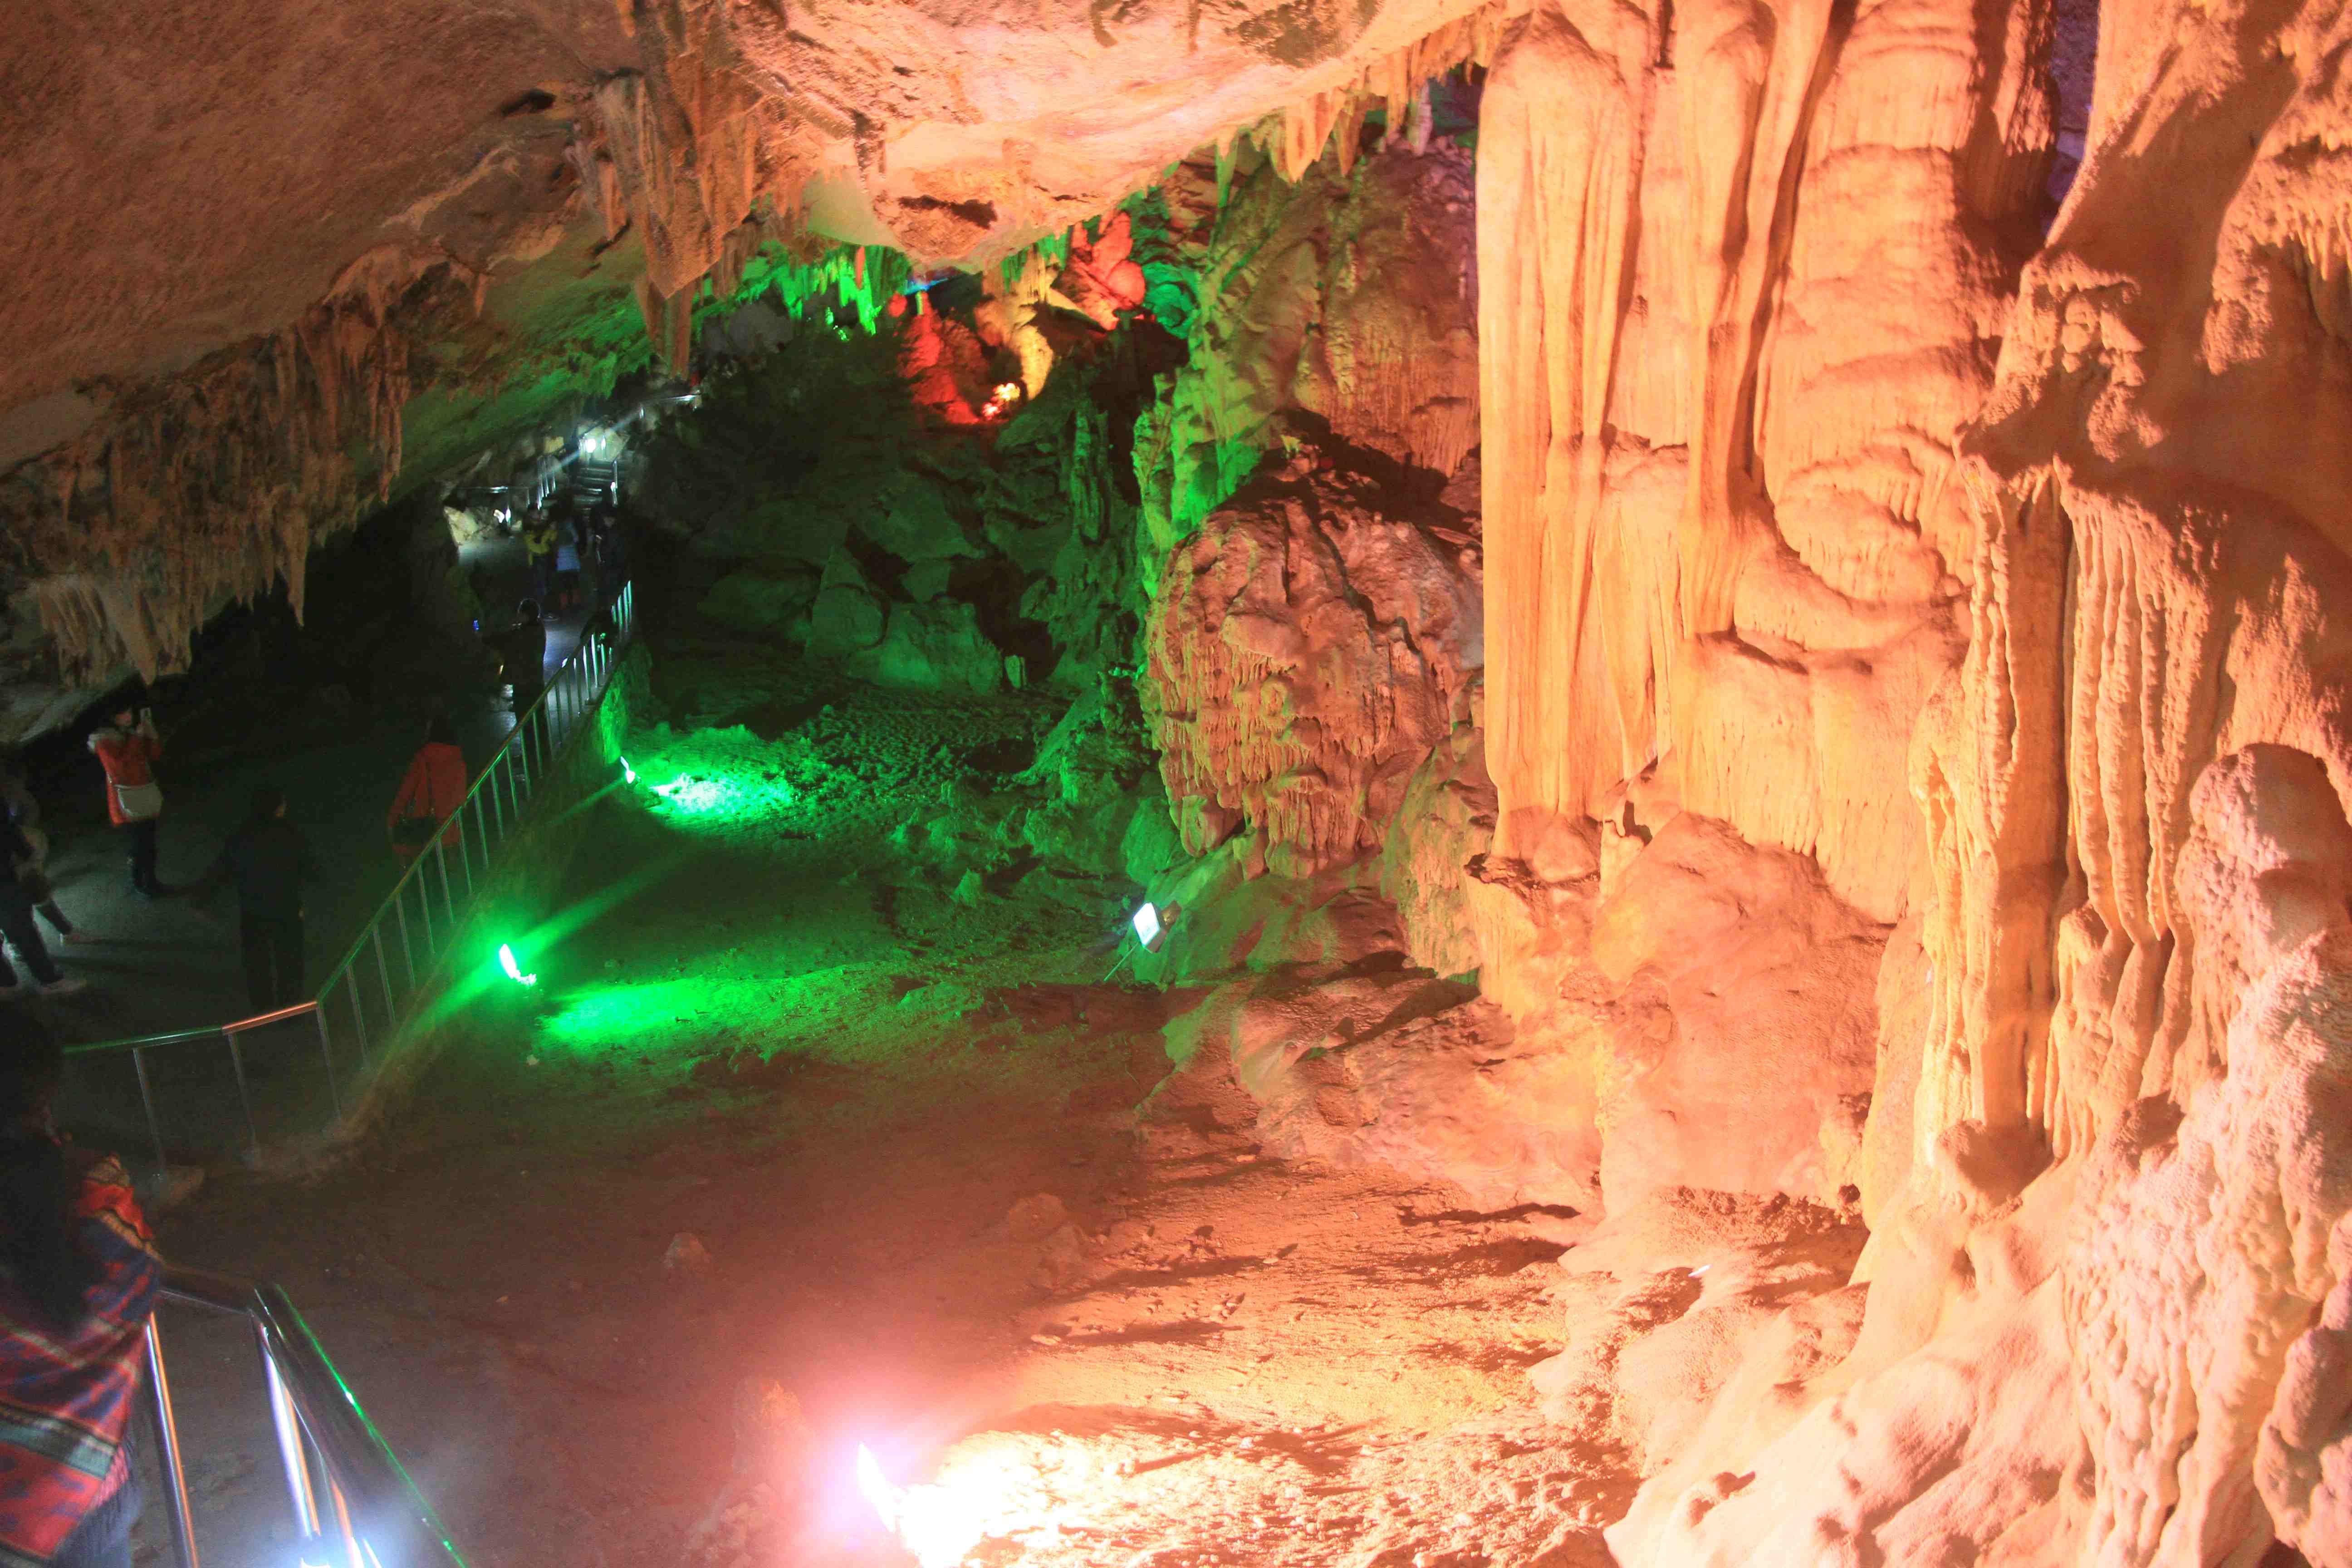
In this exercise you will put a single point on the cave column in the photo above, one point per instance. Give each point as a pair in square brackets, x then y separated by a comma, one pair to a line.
[1559, 163]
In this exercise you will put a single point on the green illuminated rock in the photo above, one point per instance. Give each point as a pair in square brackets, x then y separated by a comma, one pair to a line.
[759, 604]
[937, 647]
[849, 615]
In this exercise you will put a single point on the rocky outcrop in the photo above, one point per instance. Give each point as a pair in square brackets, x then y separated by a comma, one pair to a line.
[1307, 651]
[1348, 297]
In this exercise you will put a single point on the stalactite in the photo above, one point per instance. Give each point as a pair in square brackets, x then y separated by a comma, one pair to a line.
[1393, 84]
[1987, 768]
[214, 485]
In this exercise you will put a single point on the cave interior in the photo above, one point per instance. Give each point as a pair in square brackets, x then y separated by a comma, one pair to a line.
[1432, 784]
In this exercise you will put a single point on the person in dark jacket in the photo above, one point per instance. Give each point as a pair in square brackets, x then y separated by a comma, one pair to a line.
[269, 860]
[17, 924]
[25, 811]
[522, 651]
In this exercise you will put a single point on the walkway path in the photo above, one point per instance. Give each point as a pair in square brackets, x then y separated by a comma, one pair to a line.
[172, 963]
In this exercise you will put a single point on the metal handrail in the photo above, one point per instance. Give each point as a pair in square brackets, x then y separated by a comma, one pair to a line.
[623, 617]
[500, 798]
[346, 1485]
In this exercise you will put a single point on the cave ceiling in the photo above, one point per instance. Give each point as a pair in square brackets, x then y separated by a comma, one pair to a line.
[183, 177]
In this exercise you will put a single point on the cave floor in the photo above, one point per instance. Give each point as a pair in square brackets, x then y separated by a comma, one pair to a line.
[873, 1111]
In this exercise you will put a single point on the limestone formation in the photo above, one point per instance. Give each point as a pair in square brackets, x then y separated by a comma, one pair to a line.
[1308, 652]
[1717, 654]
[1346, 297]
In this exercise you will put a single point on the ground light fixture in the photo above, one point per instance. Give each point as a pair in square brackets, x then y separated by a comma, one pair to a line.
[984, 1487]
[1150, 922]
[628, 774]
[514, 970]
[876, 1488]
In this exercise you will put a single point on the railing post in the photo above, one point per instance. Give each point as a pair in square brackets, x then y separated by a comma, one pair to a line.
[167, 1450]
[464, 864]
[448, 899]
[384, 976]
[359, 1015]
[407, 953]
[289, 1449]
[425, 907]
[236, 1060]
[147, 1098]
[327, 1055]
[518, 737]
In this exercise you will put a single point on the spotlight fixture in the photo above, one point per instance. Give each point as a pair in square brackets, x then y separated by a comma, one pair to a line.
[514, 971]
[1001, 400]
[1150, 922]
[876, 1490]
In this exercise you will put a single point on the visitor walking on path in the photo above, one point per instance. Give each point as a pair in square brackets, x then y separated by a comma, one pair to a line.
[127, 749]
[431, 791]
[567, 561]
[16, 899]
[592, 560]
[612, 556]
[269, 860]
[24, 813]
[539, 539]
[79, 1277]
[522, 651]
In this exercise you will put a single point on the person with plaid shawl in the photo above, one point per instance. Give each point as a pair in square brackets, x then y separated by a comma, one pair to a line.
[79, 1276]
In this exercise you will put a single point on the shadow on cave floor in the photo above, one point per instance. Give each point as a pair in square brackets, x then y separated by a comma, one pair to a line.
[904, 1148]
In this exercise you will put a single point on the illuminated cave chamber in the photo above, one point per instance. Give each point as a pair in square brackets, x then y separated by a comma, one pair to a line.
[1723, 615]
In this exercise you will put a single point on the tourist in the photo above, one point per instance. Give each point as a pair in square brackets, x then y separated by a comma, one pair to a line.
[540, 537]
[127, 749]
[567, 562]
[431, 791]
[24, 814]
[16, 899]
[592, 562]
[79, 1277]
[269, 860]
[522, 653]
[612, 553]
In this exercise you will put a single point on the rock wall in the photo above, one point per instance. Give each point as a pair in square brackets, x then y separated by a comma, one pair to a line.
[1914, 707]
[2032, 655]
[1344, 301]
[1740, 283]
[1307, 651]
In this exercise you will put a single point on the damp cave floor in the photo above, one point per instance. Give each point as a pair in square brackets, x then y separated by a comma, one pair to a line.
[842, 1086]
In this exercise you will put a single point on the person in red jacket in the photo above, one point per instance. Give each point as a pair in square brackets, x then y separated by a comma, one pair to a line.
[127, 749]
[431, 791]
